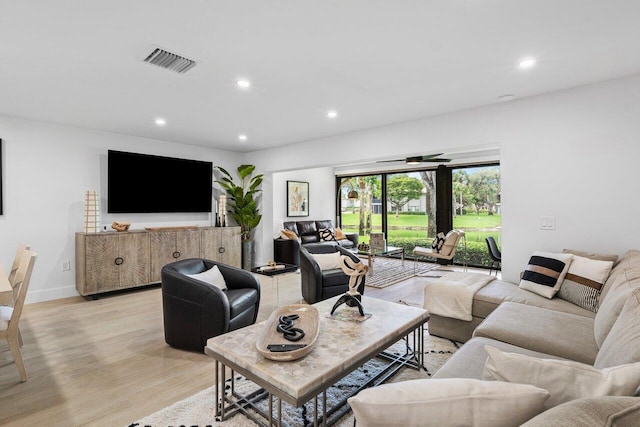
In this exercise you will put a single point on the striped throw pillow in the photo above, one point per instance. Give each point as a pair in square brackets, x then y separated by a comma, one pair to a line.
[584, 280]
[545, 273]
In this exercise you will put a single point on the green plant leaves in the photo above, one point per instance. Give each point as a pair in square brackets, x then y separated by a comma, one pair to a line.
[243, 208]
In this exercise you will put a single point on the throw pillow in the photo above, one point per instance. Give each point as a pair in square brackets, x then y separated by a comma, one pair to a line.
[601, 257]
[583, 282]
[438, 242]
[604, 411]
[327, 235]
[212, 276]
[288, 234]
[436, 402]
[565, 379]
[327, 261]
[340, 234]
[545, 273]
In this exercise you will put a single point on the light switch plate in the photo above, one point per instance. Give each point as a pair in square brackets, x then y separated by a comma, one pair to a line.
[547, 223]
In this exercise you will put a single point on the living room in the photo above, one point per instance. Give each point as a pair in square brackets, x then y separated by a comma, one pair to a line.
[567, 151]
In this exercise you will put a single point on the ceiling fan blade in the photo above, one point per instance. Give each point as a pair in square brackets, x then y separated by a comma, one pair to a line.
[387, 161]
[430, 156]
[437, 160]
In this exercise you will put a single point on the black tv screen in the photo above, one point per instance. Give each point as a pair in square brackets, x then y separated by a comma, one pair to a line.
[142, 183]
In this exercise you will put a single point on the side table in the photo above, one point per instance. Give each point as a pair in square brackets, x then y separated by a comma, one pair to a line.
[274, 272]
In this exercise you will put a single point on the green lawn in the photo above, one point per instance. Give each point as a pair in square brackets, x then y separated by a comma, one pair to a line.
[477, 226]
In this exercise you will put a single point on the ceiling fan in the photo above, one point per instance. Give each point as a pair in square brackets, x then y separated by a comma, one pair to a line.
[416, 160]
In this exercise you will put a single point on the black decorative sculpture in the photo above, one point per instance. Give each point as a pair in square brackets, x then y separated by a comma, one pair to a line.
[355, 271]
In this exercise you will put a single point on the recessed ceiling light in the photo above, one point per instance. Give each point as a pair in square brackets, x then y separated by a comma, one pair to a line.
[527, 63]
[160, 121]
[505, 98]
[243, 83]
[332, 114]
[242, 137]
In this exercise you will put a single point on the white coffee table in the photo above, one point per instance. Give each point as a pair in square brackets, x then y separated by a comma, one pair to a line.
[341, 348]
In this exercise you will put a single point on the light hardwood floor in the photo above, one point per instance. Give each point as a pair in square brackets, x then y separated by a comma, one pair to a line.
[105, 362]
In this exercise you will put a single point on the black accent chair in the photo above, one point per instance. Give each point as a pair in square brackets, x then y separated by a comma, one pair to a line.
[319, 285]
[195, 311]
[494, 253]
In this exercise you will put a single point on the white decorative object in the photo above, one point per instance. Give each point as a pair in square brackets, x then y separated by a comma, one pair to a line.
[91, 212]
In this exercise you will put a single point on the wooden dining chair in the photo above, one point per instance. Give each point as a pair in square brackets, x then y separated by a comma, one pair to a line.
[10, 316]
[22, 249]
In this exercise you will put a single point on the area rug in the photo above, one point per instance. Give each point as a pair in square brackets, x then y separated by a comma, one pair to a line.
[388, 271]
[197, 410]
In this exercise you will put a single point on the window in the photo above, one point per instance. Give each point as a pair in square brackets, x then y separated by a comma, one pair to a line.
[476, 209]
[411, 207]
[360, 205]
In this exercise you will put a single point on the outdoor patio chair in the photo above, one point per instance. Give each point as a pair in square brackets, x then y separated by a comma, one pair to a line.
[447, 252]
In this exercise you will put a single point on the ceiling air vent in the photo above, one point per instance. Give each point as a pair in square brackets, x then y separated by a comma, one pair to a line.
[170, 61]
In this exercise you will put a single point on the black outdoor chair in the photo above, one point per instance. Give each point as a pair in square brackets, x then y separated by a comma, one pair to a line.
[495, 254]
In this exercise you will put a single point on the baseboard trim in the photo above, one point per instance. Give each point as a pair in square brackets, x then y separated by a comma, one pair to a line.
[51, 294]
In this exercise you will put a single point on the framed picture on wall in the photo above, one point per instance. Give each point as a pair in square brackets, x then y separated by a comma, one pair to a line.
[297, 198]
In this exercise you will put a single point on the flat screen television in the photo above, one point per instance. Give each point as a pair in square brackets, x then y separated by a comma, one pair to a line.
[142, 183]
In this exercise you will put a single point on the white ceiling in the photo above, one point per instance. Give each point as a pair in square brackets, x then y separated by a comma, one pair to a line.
[376, 62]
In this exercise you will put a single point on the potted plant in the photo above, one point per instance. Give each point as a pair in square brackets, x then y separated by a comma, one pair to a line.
[243, 207]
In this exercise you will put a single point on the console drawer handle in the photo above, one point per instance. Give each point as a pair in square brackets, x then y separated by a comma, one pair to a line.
[221, 250]
[176, 254]
[119, 260]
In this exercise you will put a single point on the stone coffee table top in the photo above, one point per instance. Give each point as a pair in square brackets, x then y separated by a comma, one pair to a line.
[342, 346]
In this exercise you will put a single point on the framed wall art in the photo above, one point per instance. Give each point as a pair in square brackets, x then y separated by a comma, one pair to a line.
[297, 198]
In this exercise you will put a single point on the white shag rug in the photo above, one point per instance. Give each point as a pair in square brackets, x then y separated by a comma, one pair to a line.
[198, 410]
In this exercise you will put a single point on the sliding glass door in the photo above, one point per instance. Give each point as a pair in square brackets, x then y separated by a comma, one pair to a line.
[404, 206]
[360, 205]
[411, 209]
[476, 209]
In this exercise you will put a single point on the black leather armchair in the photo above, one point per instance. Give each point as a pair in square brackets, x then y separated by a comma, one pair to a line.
[195, 311]
[317, 284]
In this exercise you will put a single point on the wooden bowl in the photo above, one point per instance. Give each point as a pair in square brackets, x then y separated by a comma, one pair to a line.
[309, 322]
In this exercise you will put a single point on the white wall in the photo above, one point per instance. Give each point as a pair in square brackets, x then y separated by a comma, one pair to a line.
[45, 172]
[571, 154]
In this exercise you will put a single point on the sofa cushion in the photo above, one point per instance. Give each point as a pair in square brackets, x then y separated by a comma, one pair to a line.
[612, 305]
[326, 223]
[545, 272]
[630, 262]
[468, 361]
[603, 411]
[334, 277]
[429, 402]
[489, 297]
[548, 331]
[583, 283]
[566, 380]
[307, 231]
[622, 344]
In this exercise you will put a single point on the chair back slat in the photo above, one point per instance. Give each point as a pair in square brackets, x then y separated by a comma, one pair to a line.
[22, 278]
[22, 249]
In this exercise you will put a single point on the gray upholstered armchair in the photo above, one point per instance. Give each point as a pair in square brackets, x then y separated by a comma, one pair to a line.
[319, 284]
